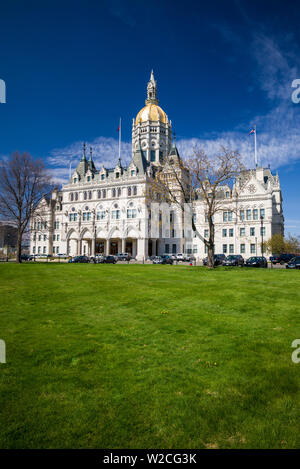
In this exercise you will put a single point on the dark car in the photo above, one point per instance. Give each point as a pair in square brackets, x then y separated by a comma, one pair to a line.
[234, 260]
[256, 262]
[109, 260]
[275, 259]
[284, 258]
[294, 263]
[166, 259]
[218, 259]
[79, 260]
[26, 257]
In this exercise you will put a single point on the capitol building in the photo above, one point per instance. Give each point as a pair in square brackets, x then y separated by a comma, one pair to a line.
[106, 211]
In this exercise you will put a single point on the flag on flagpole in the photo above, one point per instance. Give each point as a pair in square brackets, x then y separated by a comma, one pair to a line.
[252, 132]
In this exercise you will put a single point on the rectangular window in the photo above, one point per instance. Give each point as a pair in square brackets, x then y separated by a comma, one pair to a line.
[173, 234]
[57, 237]
[252, 231]
[75, 216]
[132, 172]
[224, 248]
[248, 214]
[231, 232]
[242, 231]
[131, 213]
[224, 233]
[195, 249]
[229, 216]
[205, 233]
[194, 217]
[262, 213]
[255, 214]
[231, 248]
[167, 247]
[53, 237]
[101, 215]
[57, 250]
[242, 249]
[242, 215]
[44, 250]
[115, 214]
[262, 231]
[252, 249]
[225, 216]
[174, 248]
[45, 237]
[84, 216]
[152, 157]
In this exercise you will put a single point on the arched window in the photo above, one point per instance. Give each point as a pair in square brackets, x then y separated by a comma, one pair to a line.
[90, 195]
[71, 196]
[85, 195]
[134, 190]
[104, 193]
[114, 193]
[99, 194]
[76, 195]
[119, 191]
[129, 191]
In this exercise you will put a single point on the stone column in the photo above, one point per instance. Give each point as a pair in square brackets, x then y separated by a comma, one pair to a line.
[93, 253]
[142, 249]
[134, 247]
[123, 245]
[107, 247]
[80, 247]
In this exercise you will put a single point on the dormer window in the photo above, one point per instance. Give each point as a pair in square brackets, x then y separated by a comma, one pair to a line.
[117, 175]
[102, 177]
[75, 180]
[132, 172]
[88, 178]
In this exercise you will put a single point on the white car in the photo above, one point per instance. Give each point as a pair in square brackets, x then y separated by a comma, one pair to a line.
[180, 257]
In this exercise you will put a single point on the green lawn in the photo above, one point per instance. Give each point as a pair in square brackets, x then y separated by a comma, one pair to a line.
[133, 356]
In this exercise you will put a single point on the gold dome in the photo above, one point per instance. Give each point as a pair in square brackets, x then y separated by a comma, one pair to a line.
[151, 112]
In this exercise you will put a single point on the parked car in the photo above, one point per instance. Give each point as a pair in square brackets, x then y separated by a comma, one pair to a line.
[218, 259]
[166, 259]
[284, 258]
[157, 260]
[294, 263]
[274, 259]
[125, 256]
[180, 257]
[79, 260]
[26, 257]
[256, 262]
[234, 260]
[184, 257]
[109, 260]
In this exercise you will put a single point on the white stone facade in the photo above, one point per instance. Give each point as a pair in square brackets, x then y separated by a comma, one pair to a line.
[105, 211]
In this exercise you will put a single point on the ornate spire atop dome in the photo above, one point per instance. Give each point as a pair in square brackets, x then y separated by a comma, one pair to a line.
[152, 90]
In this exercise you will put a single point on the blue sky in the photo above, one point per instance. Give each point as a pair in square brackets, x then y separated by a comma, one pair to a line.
[72, 68]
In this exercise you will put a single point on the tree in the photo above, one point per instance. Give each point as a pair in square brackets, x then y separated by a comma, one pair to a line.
[200, 178]
[23, 182]
[278, 244]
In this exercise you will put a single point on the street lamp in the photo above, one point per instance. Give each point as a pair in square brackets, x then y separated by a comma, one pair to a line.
[262, 235]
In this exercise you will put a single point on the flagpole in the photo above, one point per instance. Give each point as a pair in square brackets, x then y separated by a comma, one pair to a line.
[120, 136]
[255, 147]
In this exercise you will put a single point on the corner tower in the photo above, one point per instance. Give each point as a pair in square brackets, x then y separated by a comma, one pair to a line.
[151, 129]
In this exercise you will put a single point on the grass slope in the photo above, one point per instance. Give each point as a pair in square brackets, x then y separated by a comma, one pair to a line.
[133, 356]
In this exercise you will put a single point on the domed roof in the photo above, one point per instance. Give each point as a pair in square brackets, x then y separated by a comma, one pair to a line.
[151, 112]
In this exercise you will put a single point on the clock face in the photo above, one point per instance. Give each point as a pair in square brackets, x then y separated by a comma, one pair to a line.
[252, 188]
